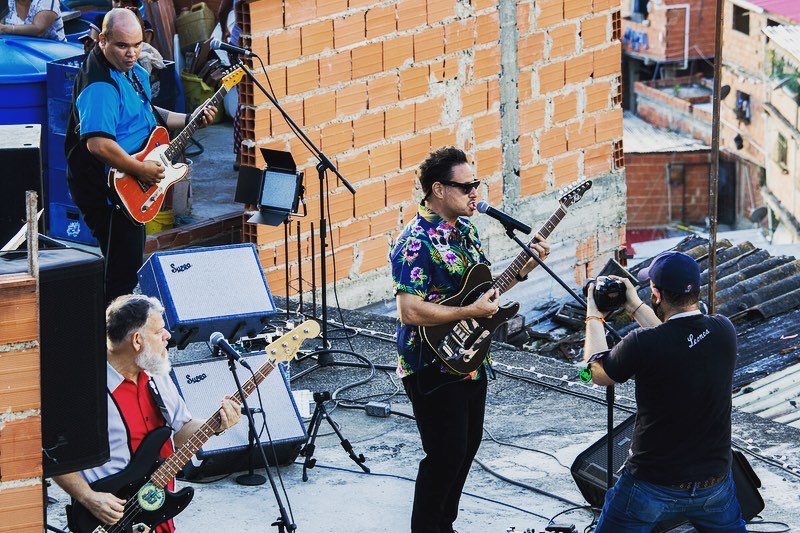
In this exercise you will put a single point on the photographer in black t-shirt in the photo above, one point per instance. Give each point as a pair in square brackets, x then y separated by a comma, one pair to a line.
[683, 362]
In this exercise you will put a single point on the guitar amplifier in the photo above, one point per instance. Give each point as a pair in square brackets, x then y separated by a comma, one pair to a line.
[590, 468]
[282, 432]
[204, 290]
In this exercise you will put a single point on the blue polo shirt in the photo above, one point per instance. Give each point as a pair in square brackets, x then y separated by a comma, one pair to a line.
[123, 116]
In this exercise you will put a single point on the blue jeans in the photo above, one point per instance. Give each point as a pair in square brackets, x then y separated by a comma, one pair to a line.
[634, 505]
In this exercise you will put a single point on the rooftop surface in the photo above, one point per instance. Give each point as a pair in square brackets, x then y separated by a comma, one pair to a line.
[640, 137]
[539, 418]
[785, 8]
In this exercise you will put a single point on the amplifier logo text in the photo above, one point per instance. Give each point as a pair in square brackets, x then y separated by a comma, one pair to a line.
[196, 379]
[181, 268]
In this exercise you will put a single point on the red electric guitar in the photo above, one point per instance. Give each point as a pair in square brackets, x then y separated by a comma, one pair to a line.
[142, 202]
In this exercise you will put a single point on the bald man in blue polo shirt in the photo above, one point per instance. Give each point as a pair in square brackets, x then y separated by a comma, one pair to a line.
[111, 118]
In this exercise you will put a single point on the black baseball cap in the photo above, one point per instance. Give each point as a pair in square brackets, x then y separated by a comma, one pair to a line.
[673, 271]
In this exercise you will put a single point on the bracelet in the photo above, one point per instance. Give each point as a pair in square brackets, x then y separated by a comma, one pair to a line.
[637, 308]
[520, 278]
[591, 317]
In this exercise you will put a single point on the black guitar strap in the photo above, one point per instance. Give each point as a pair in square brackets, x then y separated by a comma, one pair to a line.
[159, 401]
[133, 79]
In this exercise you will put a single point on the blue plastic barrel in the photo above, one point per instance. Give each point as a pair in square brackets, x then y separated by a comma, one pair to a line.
[23, 75]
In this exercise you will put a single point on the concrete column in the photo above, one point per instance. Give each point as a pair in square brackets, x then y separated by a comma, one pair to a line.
[509, 96]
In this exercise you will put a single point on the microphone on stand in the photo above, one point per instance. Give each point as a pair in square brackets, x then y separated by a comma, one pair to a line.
[218, 341]
[216, 44]
[506, 220]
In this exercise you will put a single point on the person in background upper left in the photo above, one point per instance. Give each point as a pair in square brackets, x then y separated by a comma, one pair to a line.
[34, 18]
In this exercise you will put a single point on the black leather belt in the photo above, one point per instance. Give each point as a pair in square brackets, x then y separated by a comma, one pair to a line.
[689, 485]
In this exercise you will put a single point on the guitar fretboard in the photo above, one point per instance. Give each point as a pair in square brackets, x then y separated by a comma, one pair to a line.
[178, 143]
[509, 275]
[182, 455]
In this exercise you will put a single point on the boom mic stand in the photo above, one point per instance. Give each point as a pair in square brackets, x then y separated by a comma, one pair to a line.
[612, 331]
[283, 522]
[324, 358]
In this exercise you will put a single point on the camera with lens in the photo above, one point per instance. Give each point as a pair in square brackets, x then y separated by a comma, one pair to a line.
[609, 293]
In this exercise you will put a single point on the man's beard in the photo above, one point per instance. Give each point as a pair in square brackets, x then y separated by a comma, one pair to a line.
[657, 308]
[153, 361]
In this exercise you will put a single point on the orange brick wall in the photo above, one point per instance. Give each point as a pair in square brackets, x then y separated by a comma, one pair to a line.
[654, 203]
[378, 85]
[21, 496]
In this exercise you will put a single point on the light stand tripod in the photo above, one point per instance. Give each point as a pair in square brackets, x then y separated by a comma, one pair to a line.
[612, 331]
[320, 413]
[324, 358]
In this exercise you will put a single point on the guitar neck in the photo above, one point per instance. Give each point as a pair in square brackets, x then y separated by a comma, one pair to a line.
[179, 142]
[509, 275]
[182, 455]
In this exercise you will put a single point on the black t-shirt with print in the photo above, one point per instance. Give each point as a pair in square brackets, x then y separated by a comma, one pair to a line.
[684, 373]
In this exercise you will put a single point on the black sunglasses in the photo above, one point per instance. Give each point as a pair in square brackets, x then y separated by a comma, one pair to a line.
[466, 188]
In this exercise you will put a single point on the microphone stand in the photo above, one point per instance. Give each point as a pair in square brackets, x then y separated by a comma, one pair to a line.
[324, 358]
[617, 337]
[283, 523]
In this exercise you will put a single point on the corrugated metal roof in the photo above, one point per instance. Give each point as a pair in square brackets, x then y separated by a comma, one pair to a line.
[758, 291]
[785, 8]
[775, 397]
[640, 137]
[787, 37]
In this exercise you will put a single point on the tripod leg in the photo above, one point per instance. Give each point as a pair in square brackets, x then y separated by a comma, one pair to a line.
[308, 449]
[357, 459]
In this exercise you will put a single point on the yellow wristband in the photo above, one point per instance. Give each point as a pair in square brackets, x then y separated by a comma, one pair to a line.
[588, 318]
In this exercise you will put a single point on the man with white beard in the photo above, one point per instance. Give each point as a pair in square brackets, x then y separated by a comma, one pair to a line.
[140, 393]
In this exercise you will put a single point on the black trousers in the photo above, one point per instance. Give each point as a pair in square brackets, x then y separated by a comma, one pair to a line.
[450, 421]
[123, 248]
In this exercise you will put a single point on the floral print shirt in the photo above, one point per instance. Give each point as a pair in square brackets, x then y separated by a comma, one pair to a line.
[429, 259]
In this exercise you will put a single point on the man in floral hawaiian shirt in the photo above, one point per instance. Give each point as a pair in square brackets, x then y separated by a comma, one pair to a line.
[428, 261]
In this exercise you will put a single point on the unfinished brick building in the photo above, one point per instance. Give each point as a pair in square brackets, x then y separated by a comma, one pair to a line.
[530, 89]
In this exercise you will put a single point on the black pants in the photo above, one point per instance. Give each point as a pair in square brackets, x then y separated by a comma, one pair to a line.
[123, 251]
[450, 421]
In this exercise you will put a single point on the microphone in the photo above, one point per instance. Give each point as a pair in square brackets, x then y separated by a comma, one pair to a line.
[216, 44]
[506, 220]
[218, 341]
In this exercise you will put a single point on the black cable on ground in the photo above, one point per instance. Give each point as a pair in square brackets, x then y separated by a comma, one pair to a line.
[520, 447]
[761, 522]
[498, 475]
[404, 478]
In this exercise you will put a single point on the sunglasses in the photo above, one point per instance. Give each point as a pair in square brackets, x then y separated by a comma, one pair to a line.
[466, 188]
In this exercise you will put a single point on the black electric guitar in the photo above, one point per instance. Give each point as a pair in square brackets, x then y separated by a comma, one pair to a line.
[462, 345]
[143, 483]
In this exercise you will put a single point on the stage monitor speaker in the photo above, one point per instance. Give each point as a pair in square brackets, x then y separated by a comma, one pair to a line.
[204, 290]
[21, 156]
[72, 356]
[590, 467]
[204, 383]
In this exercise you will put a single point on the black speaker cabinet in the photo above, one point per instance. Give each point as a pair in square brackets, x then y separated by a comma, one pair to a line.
[590, 467]
[73, 356]
[204, 383]
[21, 161]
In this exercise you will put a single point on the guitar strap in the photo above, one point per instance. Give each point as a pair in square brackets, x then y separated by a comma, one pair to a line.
[159, 401]
[133, 79]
